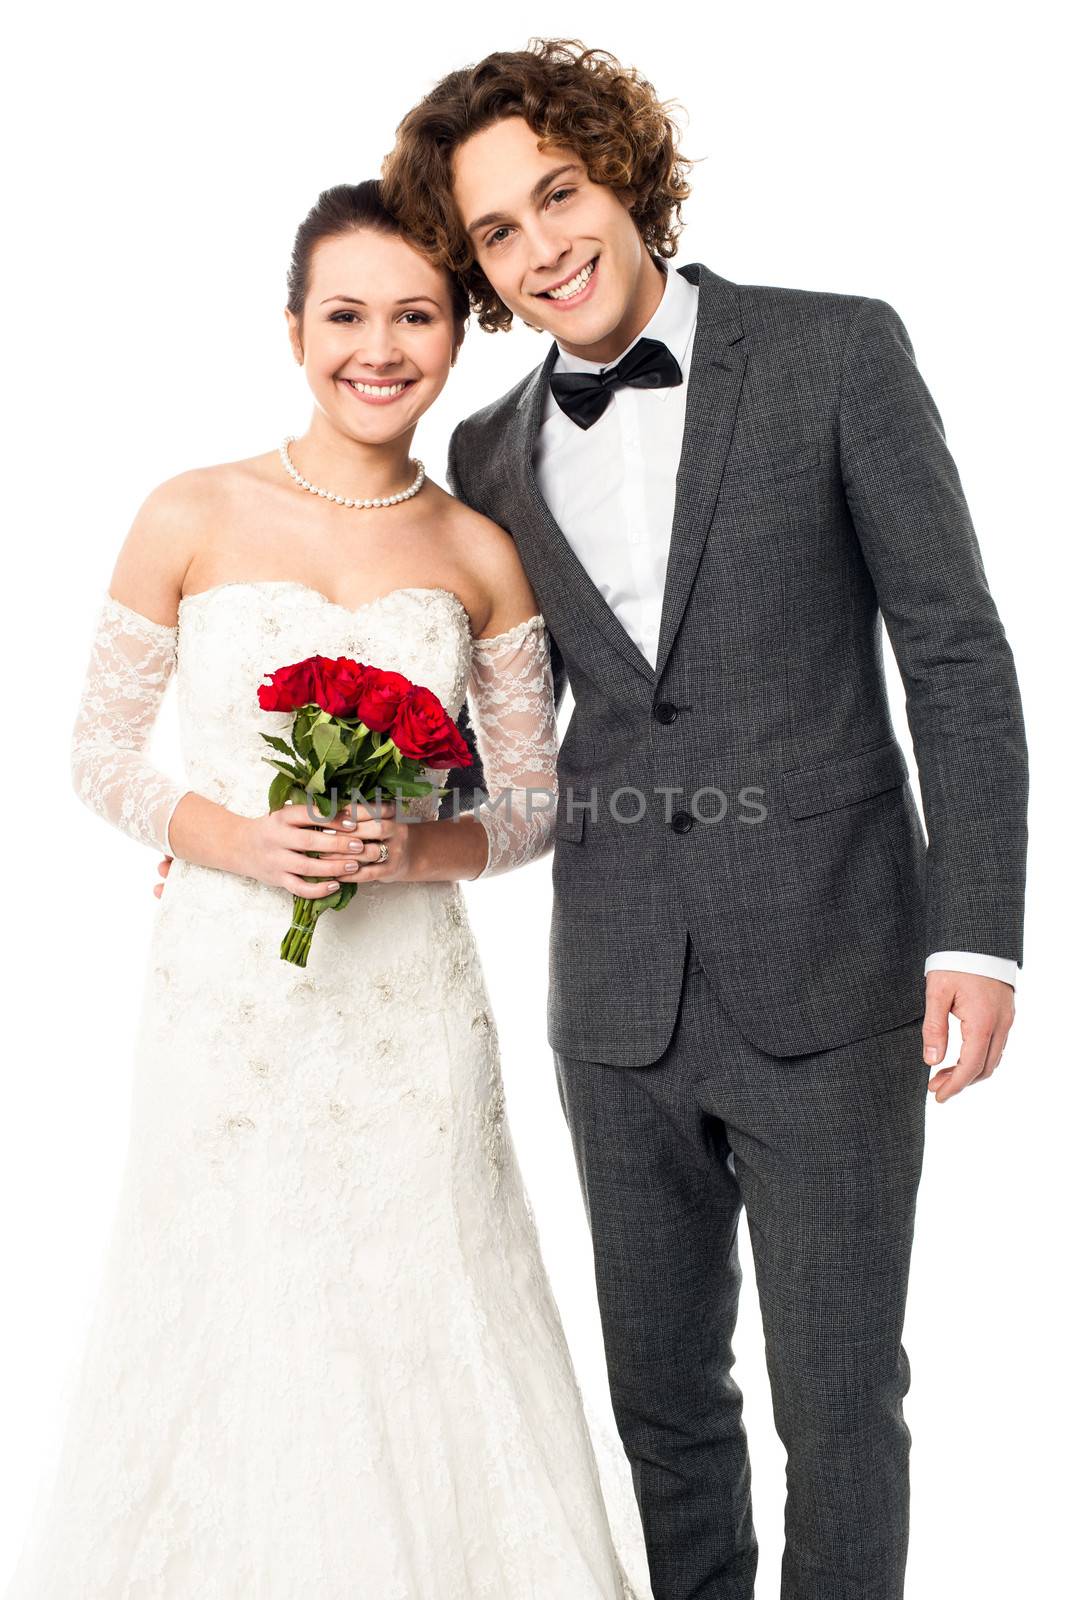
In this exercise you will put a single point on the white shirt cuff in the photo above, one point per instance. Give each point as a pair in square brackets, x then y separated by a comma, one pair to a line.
[1001, 967]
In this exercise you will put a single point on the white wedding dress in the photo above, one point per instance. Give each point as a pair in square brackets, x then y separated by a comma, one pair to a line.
[325, 1362]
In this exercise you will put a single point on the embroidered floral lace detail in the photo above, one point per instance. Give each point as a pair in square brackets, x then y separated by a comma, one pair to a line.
[512, 711]
[130, 665]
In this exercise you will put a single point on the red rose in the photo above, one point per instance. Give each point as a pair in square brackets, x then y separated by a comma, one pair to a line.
[380, 695]
[341, 686]
[294, 686]
[335, 686]
[424, 731]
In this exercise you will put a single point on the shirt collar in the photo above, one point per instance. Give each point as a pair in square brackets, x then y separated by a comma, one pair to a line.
[673, 322]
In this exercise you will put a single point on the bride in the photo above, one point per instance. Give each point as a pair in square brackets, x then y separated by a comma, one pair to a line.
[325, 1362]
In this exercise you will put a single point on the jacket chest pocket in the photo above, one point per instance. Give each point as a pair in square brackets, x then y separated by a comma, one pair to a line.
[765, 479]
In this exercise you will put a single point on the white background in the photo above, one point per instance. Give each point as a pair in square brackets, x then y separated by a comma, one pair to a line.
[159, 160]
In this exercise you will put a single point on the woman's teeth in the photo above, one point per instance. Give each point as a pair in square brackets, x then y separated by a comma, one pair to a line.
[379, 389]
[566, 291]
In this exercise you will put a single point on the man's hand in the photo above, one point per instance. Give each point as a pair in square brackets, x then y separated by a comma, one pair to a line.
[163, 868]
[984, 1007]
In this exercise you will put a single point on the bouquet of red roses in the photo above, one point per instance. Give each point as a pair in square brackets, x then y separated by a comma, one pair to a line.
[358, 733]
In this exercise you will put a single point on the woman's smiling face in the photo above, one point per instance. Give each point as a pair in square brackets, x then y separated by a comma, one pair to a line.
[377, 336]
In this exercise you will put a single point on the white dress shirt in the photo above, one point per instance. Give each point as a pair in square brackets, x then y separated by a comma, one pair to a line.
[611, 489]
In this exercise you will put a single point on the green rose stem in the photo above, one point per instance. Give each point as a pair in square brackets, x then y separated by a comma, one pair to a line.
[296, 945]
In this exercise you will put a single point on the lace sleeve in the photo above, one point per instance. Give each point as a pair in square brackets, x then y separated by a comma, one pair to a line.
[130, 664]
[512, 711]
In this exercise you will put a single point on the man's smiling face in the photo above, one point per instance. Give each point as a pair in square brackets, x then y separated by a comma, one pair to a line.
[560, 251]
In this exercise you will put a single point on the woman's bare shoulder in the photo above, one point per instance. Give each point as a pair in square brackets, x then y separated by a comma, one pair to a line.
[201, 490]
[492, 553]
[170, 526]
[475, 531]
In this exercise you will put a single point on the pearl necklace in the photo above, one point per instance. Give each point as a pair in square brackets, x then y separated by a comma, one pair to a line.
[339, 499]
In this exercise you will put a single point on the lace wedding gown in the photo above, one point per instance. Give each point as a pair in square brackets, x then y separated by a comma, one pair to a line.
[325, 1362]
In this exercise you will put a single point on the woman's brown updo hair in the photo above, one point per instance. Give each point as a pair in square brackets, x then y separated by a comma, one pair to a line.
[346, 208]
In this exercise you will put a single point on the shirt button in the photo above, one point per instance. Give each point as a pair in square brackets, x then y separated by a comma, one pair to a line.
[682, 822]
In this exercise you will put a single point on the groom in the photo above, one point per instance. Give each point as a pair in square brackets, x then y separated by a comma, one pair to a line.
[719, 492]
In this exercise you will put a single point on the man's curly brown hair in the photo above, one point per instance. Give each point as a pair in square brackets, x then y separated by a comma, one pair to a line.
[581, 99]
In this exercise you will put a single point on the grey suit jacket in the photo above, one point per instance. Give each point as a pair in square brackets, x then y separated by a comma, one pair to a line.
[816, 500]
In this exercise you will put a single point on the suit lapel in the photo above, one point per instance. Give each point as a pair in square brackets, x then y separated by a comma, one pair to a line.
[564, 570]
[715, 379]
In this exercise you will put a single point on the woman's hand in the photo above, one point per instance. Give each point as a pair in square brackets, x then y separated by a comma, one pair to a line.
[373, 828]
[272, 848]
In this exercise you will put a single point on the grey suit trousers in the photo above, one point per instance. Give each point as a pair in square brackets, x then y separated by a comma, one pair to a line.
[825, 1153]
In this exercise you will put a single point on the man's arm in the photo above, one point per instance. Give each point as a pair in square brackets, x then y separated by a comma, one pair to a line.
[465, 781]
[963, 700]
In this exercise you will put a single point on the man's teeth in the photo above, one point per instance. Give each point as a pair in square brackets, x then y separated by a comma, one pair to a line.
[377, 388]
[574, 286]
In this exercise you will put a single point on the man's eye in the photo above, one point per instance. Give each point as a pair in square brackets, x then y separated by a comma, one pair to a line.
[496, 235]
[564, 193]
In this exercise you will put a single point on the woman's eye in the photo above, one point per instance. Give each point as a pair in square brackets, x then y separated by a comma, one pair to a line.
[342, 316]
[419, 316]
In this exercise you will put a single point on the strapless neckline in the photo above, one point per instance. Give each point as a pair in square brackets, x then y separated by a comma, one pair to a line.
[306, 588]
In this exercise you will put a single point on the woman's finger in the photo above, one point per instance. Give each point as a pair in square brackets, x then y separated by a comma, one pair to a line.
[387, 828]
[309, 891]
[325, 866]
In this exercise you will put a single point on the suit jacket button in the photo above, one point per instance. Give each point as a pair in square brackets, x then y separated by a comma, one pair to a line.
[682, 821]
[665, 711]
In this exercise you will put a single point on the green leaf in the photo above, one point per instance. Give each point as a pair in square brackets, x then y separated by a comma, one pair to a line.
[409, 786]
[329, 746]
[301, 739]
[280, 790]
[278, 744]
[296, 773]
[380, 758]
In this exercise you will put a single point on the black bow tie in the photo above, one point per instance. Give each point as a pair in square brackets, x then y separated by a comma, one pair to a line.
[584, 396]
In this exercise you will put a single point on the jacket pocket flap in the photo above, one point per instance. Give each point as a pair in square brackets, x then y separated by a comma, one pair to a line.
[569, 827]
[797, 459]
[745, 477]
[808, 790]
